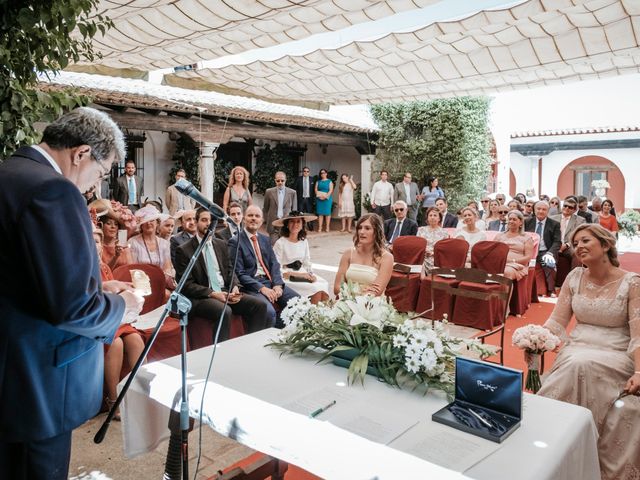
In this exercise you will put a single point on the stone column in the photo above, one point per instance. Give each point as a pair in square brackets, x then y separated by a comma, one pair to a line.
[206, 167]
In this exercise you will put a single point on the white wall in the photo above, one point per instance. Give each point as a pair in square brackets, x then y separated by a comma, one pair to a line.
[158, 150]
[522, 170]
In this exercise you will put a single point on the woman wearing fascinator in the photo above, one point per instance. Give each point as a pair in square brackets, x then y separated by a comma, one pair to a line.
[292, 252]
[599, 365]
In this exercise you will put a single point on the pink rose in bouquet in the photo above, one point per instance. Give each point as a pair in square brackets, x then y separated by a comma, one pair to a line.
[534, 340]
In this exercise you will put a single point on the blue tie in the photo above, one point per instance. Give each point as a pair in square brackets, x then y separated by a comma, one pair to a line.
[396, 232]
[212, 268]
[132, 192]
[539, 229]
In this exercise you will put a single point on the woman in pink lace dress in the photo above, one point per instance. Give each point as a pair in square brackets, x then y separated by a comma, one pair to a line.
[520, 246]
[601, 356]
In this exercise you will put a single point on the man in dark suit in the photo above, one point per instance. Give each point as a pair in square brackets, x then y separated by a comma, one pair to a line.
[56, 313]
[208, 285]
[449, 220]
[401, 225]
[235, 212]
[188, 225]
[305, 188]
[499, 225]
[550, 240]
[129, 188]
[258, 269]
[569, 221]
[278, 202]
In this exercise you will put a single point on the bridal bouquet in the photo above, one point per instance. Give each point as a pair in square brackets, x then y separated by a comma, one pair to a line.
[368, 335]
[534, 340]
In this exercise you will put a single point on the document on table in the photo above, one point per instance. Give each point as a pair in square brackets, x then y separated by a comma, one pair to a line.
[445, 446]
[319, 399]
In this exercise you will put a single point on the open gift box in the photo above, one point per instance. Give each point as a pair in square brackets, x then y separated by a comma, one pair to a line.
[488, 401]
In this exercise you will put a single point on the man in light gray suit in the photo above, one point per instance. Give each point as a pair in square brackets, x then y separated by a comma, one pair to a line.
[278, 202]
[407, 191]
[569, 221]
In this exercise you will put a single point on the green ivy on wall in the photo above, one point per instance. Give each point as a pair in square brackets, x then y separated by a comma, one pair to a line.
[446, 138]
[186, 156]
[268, 162]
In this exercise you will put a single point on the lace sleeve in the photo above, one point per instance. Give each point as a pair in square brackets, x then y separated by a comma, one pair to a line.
[634, 313]
[562, 313]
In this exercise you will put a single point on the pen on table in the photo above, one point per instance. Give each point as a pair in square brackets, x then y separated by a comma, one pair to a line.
[475, 414]
[317, 412]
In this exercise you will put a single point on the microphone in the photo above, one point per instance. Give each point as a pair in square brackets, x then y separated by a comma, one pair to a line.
[186, 188]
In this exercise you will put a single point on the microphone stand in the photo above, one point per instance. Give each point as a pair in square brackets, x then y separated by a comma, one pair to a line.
[178, 306]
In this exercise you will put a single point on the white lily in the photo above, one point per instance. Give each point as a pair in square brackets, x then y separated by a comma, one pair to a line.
[365, 310]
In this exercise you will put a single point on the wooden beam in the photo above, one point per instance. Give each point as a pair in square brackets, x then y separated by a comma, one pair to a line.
[218, 131]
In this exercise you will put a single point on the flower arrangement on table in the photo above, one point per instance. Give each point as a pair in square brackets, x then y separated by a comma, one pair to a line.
[370, 336]
[628, 223]
[534, 340]
[600, 184]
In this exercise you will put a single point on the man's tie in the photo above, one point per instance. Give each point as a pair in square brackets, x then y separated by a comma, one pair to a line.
[212, 268]
[539, 229]
[256, 247]
[503, 226]
[132, 191]
[280, 203]
[396, 231]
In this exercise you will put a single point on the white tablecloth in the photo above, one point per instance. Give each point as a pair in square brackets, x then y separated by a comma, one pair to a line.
[252, 388]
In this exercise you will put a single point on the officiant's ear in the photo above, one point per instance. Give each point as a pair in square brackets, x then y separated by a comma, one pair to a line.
[80, 153]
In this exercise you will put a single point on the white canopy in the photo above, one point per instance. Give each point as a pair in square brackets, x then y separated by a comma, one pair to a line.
[538, 42]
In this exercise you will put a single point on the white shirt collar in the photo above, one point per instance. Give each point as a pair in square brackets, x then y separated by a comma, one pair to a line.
[49, 158]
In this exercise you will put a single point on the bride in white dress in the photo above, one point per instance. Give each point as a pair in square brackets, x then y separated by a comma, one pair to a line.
[292, 252]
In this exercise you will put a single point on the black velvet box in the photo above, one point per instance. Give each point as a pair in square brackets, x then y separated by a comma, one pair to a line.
[488, 401]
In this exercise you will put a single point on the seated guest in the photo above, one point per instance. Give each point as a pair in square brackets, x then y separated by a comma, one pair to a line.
[469, 231]
[113, 254]
[188, 230]
[449, 220]
[569, 221]
[528, 209]
[608, 219]
[148, 247]
[554, 206]
[583, 210]
[514, 205]
[208, 285]
[368, 263]
[550, 240]
[601, 356]
[127, 343]
[520, 246]
[257, 268]
[401, 225]
[294, 257]
[235, 212]
[521, 198]
[433, 233]
[481, 224]
[499, 225]
[167, 224]
[492, 215]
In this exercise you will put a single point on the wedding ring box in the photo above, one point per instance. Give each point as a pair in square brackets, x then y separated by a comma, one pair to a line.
[488, 400]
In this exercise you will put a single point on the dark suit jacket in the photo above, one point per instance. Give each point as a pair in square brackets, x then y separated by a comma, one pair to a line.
[551, 233]
[175, 241]
[299, 189]
[224, 234]
[121, 192]
[247, 265]
[197, 285]
[494, 225]
[409, 227]
[450, 221]
[54, 316]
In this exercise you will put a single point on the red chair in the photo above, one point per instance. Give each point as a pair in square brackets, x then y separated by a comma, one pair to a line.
[407, 250]
[200, 331]
[562, 270]
[521, 298]
[500, 291]
[447, 253]
[489, 257]
[167, 342]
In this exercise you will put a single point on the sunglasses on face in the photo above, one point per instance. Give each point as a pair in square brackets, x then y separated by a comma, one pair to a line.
[503, 212]
[280, 181]
[570, 207]
[553, 203]
[484, 201]
[398, 209]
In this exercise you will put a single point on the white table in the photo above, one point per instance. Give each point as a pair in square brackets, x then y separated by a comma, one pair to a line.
[251, 385]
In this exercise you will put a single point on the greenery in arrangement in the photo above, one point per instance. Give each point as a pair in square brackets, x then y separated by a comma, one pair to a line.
[447, 138]
[628, 223]
[402, 351]
[186, 156]
[37, 37]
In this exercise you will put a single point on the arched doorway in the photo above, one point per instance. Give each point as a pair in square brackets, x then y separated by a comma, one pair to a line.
[512, 183]
[576, 178]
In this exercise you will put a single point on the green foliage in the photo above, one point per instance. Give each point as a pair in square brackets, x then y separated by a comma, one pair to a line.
[186, 156]
[37, 37]
[268, 162]
[447, 138]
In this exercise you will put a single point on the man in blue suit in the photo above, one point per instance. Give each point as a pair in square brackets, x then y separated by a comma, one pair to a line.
[55, 312]
[257, 268]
